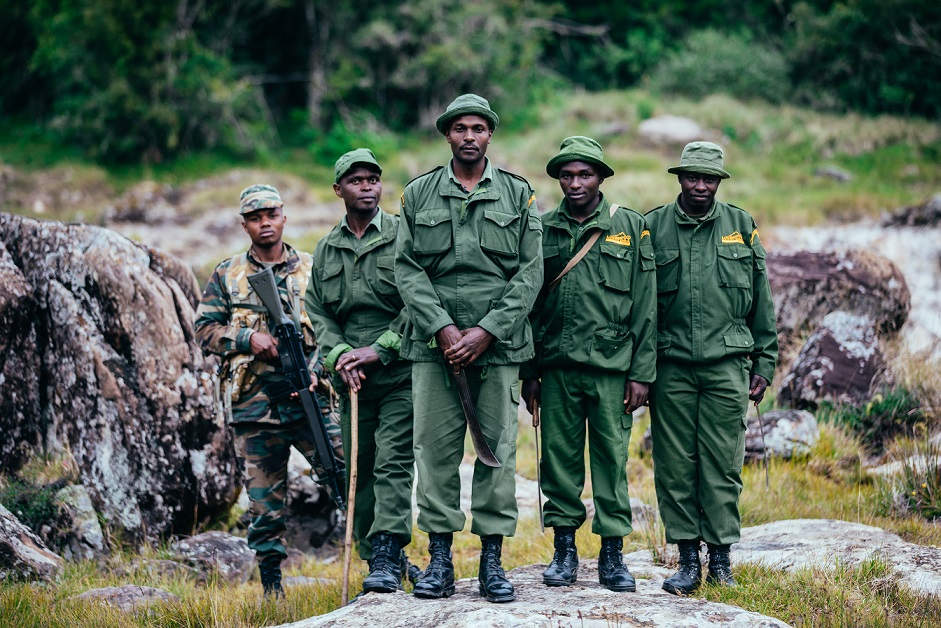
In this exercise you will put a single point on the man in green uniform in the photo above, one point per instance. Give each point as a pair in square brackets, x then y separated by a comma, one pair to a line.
[596, 356]
[468, 266]
[717, 347]
[358, 318]
[231, 322]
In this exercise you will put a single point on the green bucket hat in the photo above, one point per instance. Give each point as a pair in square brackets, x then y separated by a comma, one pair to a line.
[357, 156]
[257, 197]
[467, 104]
[579, 148]
[701, 157]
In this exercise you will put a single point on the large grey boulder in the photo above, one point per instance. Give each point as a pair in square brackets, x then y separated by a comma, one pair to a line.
[783, 433]
[826, 543]
[667, 130]
[23, 556]
[584, 604]
[101, 363]
[218, 553]
[313, 521]
[81, 536]
[839, 363]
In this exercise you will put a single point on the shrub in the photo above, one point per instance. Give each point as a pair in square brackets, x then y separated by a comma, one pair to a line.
[711, 61]
[913, 484]
[892, 412]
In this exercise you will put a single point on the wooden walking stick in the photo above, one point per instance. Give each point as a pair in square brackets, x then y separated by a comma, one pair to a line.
[542, 527]
[351, 498]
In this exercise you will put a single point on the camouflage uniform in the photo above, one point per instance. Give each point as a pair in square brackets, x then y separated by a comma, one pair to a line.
[227, 316]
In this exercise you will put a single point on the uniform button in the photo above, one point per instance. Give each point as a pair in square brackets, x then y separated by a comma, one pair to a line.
[734, 254]
[432, 222]
[620, 255]
[502, 223]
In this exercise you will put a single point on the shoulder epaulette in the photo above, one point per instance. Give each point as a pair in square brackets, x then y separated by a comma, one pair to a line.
[656, 208]
[736, 207]
[435, 169]
[514, 175]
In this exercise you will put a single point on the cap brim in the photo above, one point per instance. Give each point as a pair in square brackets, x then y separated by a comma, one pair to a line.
[369, 164]
[555, 164]
[719, 172]
[443, 123]
[265, 205]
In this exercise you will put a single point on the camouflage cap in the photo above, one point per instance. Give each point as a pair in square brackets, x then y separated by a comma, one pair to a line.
[464, 105]
[579, 148]
[358, 156]
[703, 158]
[259, 196]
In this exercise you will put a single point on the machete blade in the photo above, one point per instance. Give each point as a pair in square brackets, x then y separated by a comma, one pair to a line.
[484, 453]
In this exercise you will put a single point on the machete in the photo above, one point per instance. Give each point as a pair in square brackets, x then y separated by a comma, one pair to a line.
[484, 453]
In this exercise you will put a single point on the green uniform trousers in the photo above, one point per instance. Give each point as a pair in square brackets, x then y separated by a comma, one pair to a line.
[572, 398]
[386, 464]
[264, 449]
[698, 428]
[440, 427]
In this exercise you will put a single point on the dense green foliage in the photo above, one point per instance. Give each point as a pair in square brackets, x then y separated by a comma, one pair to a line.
[891, 413]
[142, 82]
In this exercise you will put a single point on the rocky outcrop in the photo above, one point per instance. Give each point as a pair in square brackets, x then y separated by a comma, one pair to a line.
[584, 604]
[130, 598]
[217, 553]
[99, 360]
[669, 130]
[839, 363]
[23, 556]
[926, 214]
[825, 543]
[809, 285]
[80, 536]
[785, 433]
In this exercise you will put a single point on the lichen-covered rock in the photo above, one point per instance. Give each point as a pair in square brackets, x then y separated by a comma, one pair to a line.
[101, 362]
[129, 598]
[23, 556]
[785, 433]
[82, 538]
[839, 363]
[219, 553]
[313, 520]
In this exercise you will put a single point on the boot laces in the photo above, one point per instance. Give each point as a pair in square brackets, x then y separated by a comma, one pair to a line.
[689, 562]
[492, 562]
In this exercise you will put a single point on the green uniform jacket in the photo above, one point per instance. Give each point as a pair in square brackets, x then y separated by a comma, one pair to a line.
[713, 296]
[352, 299]
[603, 312]
[469, 259]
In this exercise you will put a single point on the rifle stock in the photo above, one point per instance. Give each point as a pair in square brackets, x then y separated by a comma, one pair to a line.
[297, 378]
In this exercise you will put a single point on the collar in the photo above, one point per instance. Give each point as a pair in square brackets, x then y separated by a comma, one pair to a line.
[288, 256]
[683, 218]
[487, 175]
[375, 222]
[601, 217]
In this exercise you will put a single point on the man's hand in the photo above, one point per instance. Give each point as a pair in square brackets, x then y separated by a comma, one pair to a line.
[352, 366]
[264, 346]
[635, 395]
[472, 344]
[758, 386]
[532, 390]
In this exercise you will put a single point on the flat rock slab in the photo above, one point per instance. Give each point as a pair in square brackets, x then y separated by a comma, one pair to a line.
[585, 604]
[806, 543]
[128, 598]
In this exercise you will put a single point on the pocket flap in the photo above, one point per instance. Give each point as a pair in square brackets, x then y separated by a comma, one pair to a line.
[734, 251]
[331, 269]
[502, 219]
[432, 217]
[665, 256]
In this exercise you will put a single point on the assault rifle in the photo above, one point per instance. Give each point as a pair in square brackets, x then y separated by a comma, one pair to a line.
[297, 378]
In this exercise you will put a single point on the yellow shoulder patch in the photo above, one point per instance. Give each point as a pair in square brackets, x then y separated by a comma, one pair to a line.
[532, 199]
[402, 200]
[645, 234]
[733, 238]
[754, 234]
[621, 238]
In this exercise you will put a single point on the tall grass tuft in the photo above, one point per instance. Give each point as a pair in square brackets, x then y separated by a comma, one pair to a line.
[912, 484]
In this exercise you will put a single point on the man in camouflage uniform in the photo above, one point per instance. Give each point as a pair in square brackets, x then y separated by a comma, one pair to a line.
[717, 347]
[468, 266]
[596, 355]
[231, 322]
[359, 317]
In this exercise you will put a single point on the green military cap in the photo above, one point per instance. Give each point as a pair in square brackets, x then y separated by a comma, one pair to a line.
[357, 156]
[259, 196]
[579, 148]
[701, 157]
[463, 105]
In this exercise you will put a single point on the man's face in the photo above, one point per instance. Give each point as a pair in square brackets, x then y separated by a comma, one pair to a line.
[265, 226]
[360, 188]
[697, 191]
[469, 137]
[580, 183]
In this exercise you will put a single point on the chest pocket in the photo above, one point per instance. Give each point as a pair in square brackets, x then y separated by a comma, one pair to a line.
[552, 262]
[668, 269]
[615, 266]
[734, 263]
[331, 281]
[432, 231]
[500, 233]
[385, 275]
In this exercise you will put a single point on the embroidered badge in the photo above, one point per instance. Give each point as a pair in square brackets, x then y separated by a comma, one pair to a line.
[645, 234]
[754, 234]
[621, 238]
[733, 238]
[532, 199]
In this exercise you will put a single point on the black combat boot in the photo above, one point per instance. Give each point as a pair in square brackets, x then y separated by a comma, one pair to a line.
[720, 566]
[270, 571]
[612, 573]
[493, 583]
[385, 575]
[689, 574]
[438, 580]
[412, 572]
[563, 570]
